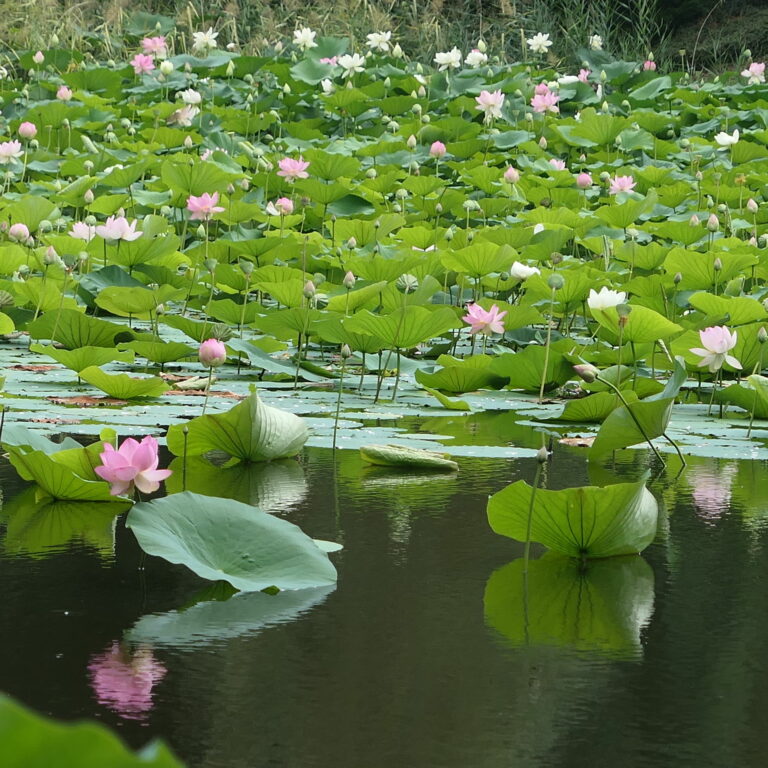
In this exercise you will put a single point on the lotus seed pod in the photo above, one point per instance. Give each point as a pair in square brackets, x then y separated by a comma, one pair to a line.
[426, 119]
[416, 109]
[371, 173]
[555, 281]
[556, 258]
[685, 143]
[91, 220]
[407, 283]
[45, 226]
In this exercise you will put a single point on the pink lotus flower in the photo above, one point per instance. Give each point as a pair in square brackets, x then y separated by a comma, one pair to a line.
[621, 184]
[82, 231]
[123, 680]
[649, 65]
[544, 100]
[133, 464]
[142, 64]
[292, 169]
[484, 321]
[212, 353]
[512, 175]
[717, 341]
[490, 104]
[330, 60]
[27, 130]
[64, 93]
[19, 233]
[755, 73]
[204, 206]
[558, 165]
[155, 46]
[283, 206]
[437, 149]
[10, 151]
[38, 58]
[583, 75]
[118, 228]
[583, 180]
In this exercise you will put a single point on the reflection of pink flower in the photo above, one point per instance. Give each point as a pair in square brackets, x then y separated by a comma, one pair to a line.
[485, 321]
[123, 681]
[712, 489]
[131, 464]
[293, 169]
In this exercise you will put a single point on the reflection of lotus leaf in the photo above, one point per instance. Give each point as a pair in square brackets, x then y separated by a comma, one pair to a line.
[38, 525]
[272, 486]
[214, 620]
[602, 606]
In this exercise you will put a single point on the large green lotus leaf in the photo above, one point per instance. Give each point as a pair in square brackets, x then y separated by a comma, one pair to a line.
[698, 269]
[222, 539]
[753, 399]
[287, 324]
[136, 302]
[287, 293]
[620, 428]
[524, 369]
[38, 526]
[479, 259]
[738, 309]
[195, 329]
[599, 127]
[354, 300]
[122, 386]
[643, 324]
[31, 210]
[161, 351]
[333, 328]
[223, 616]
[595, 408]
[184, 178]
[581, 522]
[413, 458]
[272, 486]
[405, 327]
[250, 431]
[446, 402]
[677, 232]
[321, 193]
[258, 358]
[83, 357]
[459, 376]
[229, 311]
[75, 329]
[55, 478]
[626, 214]
[18, 435]
[651, 90]
[600, 606]
[31, 741]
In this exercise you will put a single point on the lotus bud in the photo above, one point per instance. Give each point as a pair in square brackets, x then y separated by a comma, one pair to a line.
[246, 267]
[387, 83]
[245, 184]
[678, 278]
[556, 257]
[45, 226]
[416, 109]
[88, 196]
[351, 243]
[710, 201]
[605, 177]
[166, 210]
[542, 455]
[438, 208]
[722, 208]
[421, 92]
[230, 68]
[694, 221]
[188, 143]
[309, 289]
[555, 281]
[713, 223]
[413, 167]
[166, 67]
[752, 241]
[212, 353]
[397, 51]
[752, 206]
[407, 283]
[349, 281]
[734, 287]
[698, 175]
[762, 335]
[426, 119]
[717, 265]
[346, 352]
[603, 76]
[201, 233]
[587, 372]
[50, 256]
[543, 143]
[211, 264]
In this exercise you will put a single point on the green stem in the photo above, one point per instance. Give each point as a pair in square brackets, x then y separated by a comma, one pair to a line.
[527, 550]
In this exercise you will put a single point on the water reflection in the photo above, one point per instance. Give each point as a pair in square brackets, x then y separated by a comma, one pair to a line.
[602, 605]
[711, 484]
[123, 679]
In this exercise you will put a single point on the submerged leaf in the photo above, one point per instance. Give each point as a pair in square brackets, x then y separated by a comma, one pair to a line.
[400, 456]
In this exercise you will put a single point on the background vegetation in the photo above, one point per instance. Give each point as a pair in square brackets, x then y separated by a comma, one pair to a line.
[714, 33]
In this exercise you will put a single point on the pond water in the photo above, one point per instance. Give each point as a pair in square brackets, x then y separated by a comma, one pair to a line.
[431, 650]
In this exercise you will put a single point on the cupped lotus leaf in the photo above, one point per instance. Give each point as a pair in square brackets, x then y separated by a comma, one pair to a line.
[460, 376]
[351, 301]
[250, 431]
[288, 324]
[738, 309]
[642, 324]
[582, 522]
[185, 179]
[224, 617]
[32, 741]
[132, 301]
[405, 327]
[334, 329]
[74, 329]
[479, 259]
[599, 128]
[232, 312]
[222, 539]
[753, 399]
[413, 458]
[83, 357]
[446, 402]
[698, 269]
[594, 409]
[625, 214]
[601, 606]
[122, 386]
[160, 351]
[524, 369]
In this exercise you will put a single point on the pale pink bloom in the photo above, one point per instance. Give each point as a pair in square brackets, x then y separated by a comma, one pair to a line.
[204, 206]
[583, 180]
[19, 233]
[83, 231]
[293, 169]
[118, 228]
[512, 175]
[123, 680]
[64, 93]
[10, 151]
[490, 103]
[39, 58]
[437, 149]
[183, 117]
[330, 60]
[649, 65]
[584, 74]
[716, 342]
[155, 46]
[621, 184]
[755, 72]
[283, 206]
[27, 130]
[484, 321]
[142, 64]
[711, 489]
[541, 88]
[545, 100]
[212, 353]
[558, 165]
[133, 464]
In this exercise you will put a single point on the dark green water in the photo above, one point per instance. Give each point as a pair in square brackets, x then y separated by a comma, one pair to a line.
[653, 662]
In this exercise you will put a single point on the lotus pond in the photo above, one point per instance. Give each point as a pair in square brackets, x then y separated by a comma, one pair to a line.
[366, 411]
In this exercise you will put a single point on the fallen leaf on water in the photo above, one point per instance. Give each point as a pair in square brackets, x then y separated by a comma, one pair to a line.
[34, 368]
[578, 441]
[86, 401]
[201, 392]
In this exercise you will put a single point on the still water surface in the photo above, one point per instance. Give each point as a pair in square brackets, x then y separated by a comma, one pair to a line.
[427, 653]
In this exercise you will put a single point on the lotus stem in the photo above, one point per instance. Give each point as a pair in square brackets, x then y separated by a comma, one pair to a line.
[207, 389]
[546, 347]
[338, 400]
[527, 550]
[185, 432]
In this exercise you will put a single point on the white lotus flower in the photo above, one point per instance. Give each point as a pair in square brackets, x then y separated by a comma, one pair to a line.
[327, 86]
[539, 43]
[304, 38]
[379, 41]
[448, 59]
[476, 58]
[596, 43]
[605, 299]
[523, 271]
[727, 139]
[190, 96]
[202, 41]
[351, 64]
